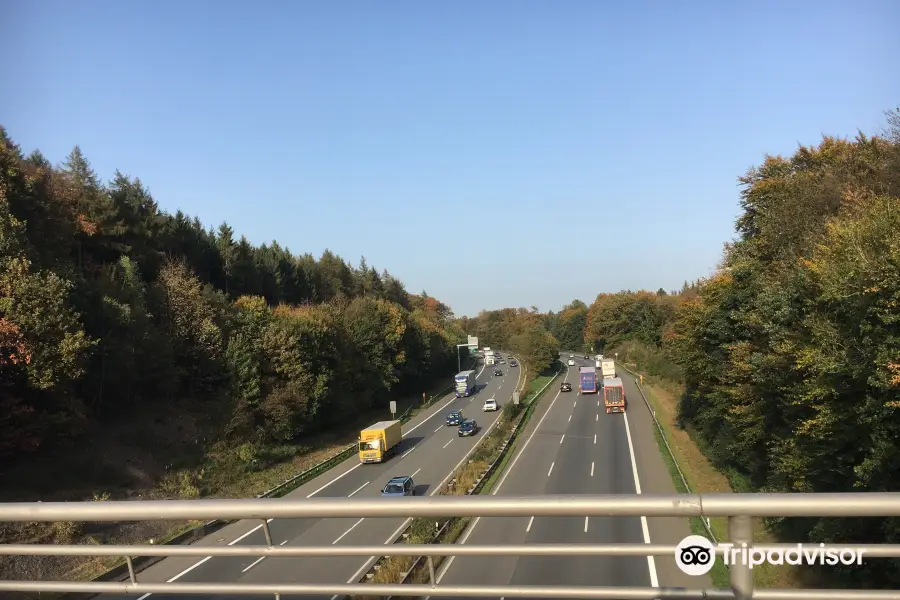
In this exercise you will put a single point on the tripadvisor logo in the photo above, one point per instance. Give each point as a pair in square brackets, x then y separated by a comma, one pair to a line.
[696, 555]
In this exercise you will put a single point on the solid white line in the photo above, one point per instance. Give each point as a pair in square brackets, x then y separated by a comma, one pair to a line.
[562, 438]
[256, 562]
[651, 563]
[447, 444]
[353, 493]
[551, 468]
[348, 531]
[592, 468]
[530, 521]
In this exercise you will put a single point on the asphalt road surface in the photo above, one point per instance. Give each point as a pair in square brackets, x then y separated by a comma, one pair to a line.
[573, 447]
[430, 452]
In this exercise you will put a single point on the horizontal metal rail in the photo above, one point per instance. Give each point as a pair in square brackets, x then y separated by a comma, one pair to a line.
[413, 590]
[737, 507]
[556, 549]
[874, 504]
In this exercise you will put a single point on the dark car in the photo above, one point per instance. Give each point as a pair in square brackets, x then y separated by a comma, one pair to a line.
[513, 363]
[454, 418]
[399, 486]
[498, 372]
[565, 387]
[467, 428]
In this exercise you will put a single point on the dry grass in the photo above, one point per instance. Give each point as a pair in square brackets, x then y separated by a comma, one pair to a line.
[702, 477]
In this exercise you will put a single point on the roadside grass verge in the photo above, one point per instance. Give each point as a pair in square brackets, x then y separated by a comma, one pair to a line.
[219, 471]
[702, 477]
[446, 530]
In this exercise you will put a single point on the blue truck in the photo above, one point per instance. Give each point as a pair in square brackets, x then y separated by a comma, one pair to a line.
[588, 380]
[465, 383]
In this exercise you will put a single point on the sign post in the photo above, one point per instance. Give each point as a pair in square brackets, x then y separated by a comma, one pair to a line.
[393, 410]
[516, 398]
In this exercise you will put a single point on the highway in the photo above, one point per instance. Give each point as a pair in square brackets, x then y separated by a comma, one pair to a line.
[573, 447]
[430, 452]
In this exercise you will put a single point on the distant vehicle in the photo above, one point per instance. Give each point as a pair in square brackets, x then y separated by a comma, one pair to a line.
[513, 363]
[571, 363]
[614, 396]
[490, 405]
[571, 356]
[597, 364]
[598, 357]
[608, 367]
[468, 428]
[454, 418]
[489, 357]
[379, 441]
[399, 486]
[585, 357]
[587, 380]
[498, 372]
[565, 387]
[465, 383]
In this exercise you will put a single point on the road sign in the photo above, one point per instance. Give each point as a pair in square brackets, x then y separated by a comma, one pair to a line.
[473, 340]
[516, 398]
[393, 409]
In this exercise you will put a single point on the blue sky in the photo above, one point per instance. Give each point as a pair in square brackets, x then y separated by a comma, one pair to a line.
[492, 153]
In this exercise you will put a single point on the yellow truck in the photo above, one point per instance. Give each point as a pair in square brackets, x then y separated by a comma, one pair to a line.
[379, 441]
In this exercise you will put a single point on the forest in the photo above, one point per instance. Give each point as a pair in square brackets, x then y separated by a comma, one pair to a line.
[112, 310]
[789, 353]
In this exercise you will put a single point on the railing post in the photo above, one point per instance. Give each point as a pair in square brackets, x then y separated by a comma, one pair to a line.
[740, 532]
[131, 574]
[431, 570]
[267, 532]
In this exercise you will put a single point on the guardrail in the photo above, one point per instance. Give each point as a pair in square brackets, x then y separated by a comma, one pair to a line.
[738, 508]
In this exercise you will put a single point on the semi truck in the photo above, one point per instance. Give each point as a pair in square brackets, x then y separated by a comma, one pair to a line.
[379, 441]
[588, 380]
[614, 395]
[608, 368]
[465, 383]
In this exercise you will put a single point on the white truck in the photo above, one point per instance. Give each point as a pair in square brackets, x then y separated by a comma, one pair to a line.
[489, 357]
[608, 368]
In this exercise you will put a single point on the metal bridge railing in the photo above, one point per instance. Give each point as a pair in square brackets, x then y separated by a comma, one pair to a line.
[739, 508]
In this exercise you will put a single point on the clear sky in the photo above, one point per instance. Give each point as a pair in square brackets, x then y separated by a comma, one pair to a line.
[491, 153]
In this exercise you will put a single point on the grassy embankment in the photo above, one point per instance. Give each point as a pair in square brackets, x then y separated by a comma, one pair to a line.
[663, 389]
[148, 457]
[423, 530]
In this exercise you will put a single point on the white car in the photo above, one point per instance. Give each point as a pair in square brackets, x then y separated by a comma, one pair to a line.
[490, 405]
[571, 363]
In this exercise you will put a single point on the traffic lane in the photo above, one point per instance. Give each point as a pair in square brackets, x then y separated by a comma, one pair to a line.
[438, 464]
[365, 481]
[222, 568]
[591, 439]
[612, 473]
[656, 479]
